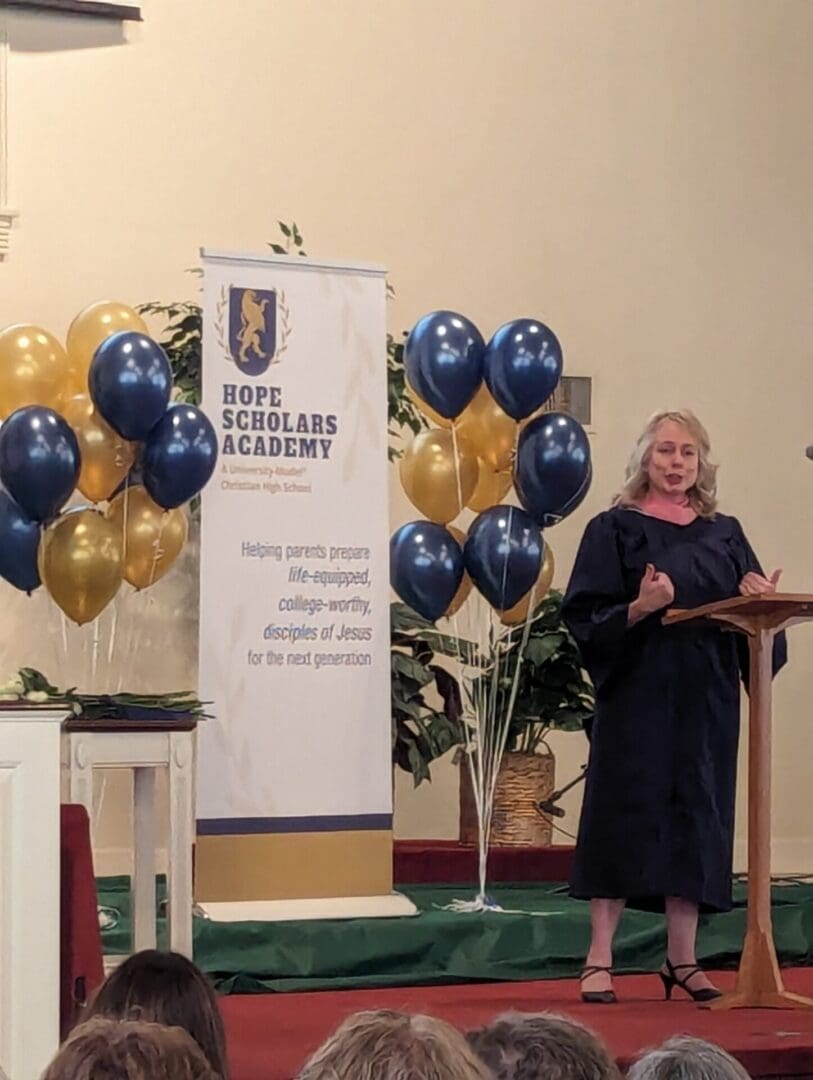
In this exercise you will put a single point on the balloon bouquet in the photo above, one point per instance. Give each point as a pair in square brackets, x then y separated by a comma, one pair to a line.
[96, 417]
[491, 434]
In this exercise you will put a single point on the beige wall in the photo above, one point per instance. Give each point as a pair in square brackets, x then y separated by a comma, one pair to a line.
[639, 174]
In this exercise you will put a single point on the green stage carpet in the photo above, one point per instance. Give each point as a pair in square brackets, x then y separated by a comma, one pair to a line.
[542, 935]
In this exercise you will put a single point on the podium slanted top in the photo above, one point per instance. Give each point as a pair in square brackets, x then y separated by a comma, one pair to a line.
[771, 611]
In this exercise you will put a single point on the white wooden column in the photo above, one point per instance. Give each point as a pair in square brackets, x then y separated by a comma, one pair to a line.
[29, 889]
[181, 839]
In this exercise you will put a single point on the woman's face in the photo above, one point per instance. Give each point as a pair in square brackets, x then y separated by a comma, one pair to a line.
[674, 460]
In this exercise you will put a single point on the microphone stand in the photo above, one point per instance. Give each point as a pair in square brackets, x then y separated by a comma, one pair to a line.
[548, 806]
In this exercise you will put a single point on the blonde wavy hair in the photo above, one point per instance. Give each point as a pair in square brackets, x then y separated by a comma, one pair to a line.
[382, 1044]
[703, 495]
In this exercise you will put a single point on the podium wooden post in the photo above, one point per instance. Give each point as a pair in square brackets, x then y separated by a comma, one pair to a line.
[760, 618]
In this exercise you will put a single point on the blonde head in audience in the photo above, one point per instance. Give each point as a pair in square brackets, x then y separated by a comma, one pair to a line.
[686, 1058]
[129, 1050]
[542, 1046]
[387, 1045]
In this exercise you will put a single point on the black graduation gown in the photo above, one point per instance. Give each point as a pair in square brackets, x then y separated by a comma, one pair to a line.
[658, 812]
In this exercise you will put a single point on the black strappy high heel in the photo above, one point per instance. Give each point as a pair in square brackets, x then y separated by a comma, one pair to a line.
[596, 997]
[670, 980]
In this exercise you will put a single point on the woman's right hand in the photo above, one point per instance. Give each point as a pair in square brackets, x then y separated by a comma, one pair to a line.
[655, 593]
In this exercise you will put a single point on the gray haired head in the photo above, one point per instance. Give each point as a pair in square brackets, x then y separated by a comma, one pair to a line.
[527, 1046]
[686, 1058]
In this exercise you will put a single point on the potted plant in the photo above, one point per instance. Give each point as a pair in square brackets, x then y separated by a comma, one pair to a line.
[553, 694]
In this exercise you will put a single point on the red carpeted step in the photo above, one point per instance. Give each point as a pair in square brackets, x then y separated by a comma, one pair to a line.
[270, 1035]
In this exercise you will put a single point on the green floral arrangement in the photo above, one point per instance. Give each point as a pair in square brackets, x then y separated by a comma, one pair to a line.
[29, 686]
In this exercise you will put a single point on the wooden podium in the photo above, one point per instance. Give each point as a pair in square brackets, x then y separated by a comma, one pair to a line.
[760, 618]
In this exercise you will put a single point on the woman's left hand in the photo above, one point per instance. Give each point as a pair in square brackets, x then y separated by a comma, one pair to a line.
[754, 584]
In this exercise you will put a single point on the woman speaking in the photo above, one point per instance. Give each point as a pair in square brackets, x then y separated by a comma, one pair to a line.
[657, 823]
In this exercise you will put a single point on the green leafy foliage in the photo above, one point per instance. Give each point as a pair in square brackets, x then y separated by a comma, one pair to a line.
[552, 693]
[181, 341]
[292, 238]
[421, 731]
[34, 682]
[402, 413]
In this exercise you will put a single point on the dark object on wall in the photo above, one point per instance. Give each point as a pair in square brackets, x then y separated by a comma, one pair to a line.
[574, 396]
[98, 8]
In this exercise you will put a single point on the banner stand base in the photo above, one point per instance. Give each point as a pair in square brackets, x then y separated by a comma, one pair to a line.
[391, 906]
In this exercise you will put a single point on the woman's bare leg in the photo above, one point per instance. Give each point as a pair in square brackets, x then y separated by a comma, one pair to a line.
[604, 918]
[681, 930]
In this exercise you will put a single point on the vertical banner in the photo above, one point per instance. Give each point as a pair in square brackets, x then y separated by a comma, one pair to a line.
[294, 772]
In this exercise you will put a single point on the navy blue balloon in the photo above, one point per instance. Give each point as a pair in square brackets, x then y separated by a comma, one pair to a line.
[580, 496]
[179, 456]
[523, 365]
[19, 544]
[503, 555]
[130, 382]
[426, 567]
[553, 472]
[443, 358]
[39, 461]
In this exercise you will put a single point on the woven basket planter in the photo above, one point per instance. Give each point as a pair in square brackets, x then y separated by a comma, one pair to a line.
[523, 781]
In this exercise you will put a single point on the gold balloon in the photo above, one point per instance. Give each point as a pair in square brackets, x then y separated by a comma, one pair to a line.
[152, 538]
[80, 561]
[464, 588]
[491, 431]
[76, 382]
[106, 457]
[93, 326]
[519, 612]
[492, 487]
[427, 410]
[33, 369]
[436, 479]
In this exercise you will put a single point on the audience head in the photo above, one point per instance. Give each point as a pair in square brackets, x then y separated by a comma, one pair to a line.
[541, 1046]
[166, 988]
[686, 1058]
[387, 1045]
[103, 1049]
